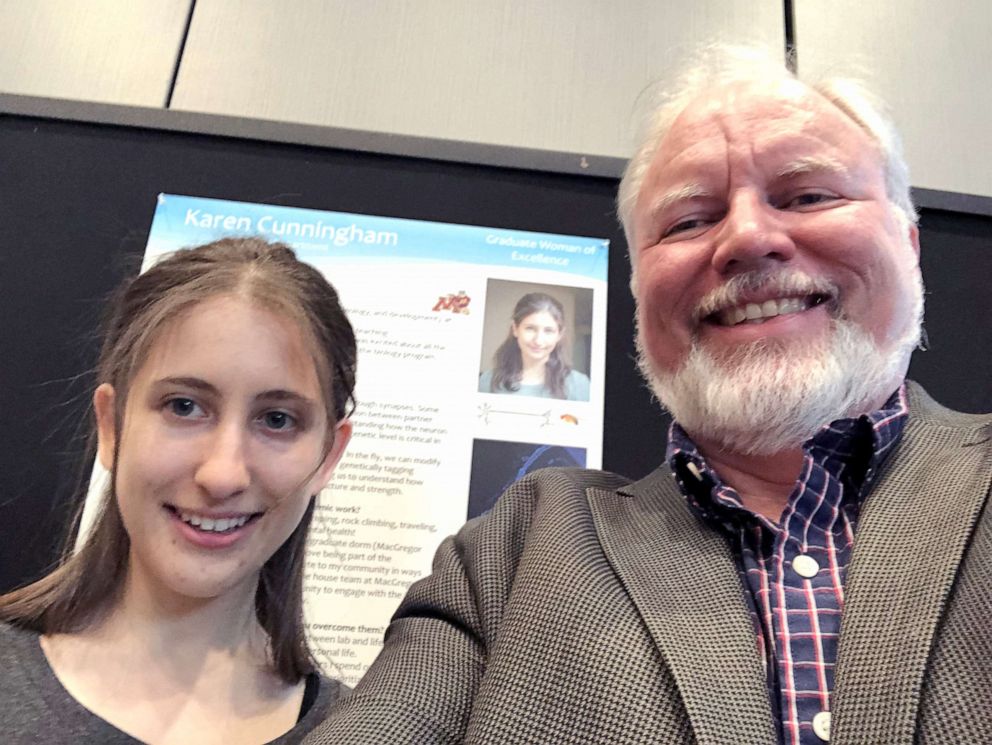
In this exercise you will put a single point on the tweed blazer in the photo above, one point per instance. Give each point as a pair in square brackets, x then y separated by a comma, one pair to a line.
[586, 609]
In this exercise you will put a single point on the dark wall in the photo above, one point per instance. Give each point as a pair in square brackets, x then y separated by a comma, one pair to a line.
[956, 257]
[77, 202]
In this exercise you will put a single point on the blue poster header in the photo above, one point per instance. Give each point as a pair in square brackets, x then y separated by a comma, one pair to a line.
[314, 234]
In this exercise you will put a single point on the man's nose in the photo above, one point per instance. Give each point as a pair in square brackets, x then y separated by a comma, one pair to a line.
[223, 471]
[751, 236]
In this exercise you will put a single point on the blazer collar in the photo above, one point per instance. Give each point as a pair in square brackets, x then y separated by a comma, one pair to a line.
[682, 578]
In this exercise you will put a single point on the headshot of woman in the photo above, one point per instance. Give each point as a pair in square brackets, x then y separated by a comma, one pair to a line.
[531, 361]
[224, 386]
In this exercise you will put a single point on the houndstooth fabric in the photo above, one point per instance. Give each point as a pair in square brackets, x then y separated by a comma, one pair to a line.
[584, 609]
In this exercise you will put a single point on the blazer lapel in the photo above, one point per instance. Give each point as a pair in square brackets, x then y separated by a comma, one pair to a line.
[912, 534]
[683, 580]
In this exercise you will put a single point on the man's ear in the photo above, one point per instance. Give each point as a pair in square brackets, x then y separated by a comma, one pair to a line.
[104, 398]
[342, 435]
[914, 239]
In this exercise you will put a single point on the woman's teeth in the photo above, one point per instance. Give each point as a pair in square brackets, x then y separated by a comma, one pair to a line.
[219, 525]
[758, 312]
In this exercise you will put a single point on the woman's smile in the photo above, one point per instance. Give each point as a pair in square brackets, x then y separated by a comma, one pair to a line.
[212, 532]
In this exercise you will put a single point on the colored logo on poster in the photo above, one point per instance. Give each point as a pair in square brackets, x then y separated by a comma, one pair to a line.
[455, 303]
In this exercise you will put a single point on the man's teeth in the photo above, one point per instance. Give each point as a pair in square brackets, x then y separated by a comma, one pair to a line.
[757, 312]
[219, 525]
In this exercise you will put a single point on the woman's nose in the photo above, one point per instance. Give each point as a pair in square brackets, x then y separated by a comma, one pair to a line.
[751, 236]
[223, 471]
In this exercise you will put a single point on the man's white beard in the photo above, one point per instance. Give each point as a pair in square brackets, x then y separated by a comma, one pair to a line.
[769, 396]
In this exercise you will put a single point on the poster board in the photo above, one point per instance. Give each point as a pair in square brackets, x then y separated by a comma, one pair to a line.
[431, 446]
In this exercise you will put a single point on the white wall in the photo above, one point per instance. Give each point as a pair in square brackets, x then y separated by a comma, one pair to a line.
[932, 62]
[555, 75]
[112, 51]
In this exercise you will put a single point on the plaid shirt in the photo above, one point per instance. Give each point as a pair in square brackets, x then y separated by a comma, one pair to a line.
[796, 605]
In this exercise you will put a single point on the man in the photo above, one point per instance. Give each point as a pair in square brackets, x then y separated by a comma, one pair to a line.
[813, 561]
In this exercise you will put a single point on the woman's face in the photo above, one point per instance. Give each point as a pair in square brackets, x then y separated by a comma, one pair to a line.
[537, 336]
[221, 446]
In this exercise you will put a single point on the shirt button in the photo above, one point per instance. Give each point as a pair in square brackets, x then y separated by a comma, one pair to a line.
[805, 566]
[821, 725]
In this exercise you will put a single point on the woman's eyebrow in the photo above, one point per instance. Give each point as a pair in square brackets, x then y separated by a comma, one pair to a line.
[282, 395]
[197, 384]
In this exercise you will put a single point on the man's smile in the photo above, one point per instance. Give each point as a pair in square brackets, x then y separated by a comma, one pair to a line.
[759, 312]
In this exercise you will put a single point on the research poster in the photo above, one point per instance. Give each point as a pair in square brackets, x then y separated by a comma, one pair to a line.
[436, 438]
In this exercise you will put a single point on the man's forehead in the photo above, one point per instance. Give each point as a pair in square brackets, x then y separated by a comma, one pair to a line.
[749, 109]
[759, 116]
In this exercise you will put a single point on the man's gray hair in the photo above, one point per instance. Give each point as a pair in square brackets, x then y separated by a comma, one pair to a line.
[719, 65]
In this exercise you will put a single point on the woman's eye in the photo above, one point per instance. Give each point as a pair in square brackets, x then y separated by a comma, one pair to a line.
[184, 407]
[278, 420]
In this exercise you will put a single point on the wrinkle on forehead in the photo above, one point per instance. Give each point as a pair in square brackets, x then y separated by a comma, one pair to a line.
[738, 109]
[798, 104]
[746, 114]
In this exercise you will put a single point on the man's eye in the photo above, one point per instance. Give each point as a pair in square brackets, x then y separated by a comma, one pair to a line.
[278, 420]
[808, 200]
[684, 226]
[184, 407]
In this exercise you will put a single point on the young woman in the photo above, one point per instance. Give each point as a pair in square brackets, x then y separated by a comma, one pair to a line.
[530, 362]
[225, 385]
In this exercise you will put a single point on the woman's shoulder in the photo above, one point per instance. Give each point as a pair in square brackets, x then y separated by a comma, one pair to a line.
[34, 706]
[576, 386]
[486, 382]
[22, 706]
[18, 646]
[16, 643]
[14, 633]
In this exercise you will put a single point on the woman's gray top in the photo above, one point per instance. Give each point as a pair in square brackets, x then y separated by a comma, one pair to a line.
[35, 708]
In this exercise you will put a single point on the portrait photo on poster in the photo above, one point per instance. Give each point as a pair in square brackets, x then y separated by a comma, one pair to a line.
[536, 340]
[496, 464]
